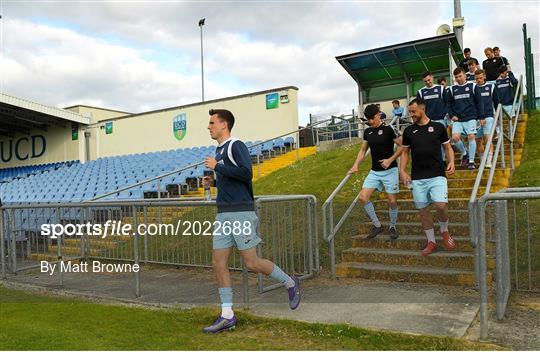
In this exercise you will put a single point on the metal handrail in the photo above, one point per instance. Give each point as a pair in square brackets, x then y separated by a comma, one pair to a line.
[329, 231]
[507, 194]
[500, 114]
[339, 128]
[175, 171]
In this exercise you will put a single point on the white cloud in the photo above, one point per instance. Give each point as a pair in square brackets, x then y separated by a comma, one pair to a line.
[61, 67]
[109, 53]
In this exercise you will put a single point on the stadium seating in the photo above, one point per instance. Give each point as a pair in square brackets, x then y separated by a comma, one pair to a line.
[11, 173]
[75, 182]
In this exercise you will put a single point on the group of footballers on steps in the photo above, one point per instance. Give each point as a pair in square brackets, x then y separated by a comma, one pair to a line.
[467, 109]
[468, 106]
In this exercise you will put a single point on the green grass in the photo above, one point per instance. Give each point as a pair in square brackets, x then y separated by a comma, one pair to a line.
[34, 322]
[526, 175]
[317, 174]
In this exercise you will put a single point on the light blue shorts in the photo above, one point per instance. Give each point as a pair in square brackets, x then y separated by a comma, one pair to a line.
[237, 229]
[467, 127]
[483, 130]
[429, 190]
[508, 109]
[387, 178]
[443, 122]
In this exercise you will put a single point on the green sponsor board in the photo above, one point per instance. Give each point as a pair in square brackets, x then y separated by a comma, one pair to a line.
[272, 101]
[180, 126]
[108, 128]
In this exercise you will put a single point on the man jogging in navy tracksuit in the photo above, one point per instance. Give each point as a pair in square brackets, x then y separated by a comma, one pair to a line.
[236, 219]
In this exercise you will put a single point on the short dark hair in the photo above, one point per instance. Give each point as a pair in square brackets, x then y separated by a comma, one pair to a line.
[425, 74]
[467, 50]
[417, 101]
[479, 72]
[395, 101]
[442, 78]
[224, 115]
[458, 70]
[503, 69]
[371, 110]
[495, 48]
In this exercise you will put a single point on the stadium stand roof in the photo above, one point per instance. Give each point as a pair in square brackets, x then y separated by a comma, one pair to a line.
[96, 107]
[395, 71]
[22, 115]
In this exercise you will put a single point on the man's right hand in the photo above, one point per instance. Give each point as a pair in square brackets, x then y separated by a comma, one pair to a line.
[405, 178]
[353, 170]
[454, 118]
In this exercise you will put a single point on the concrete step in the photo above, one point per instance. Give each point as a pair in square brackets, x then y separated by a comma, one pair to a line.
[477, 164]
[439, 259]
[267, 166]
[110, 237]
[67, 250]
[517, 156]
[152, 215]
[94, 243]
[408, 204]
[51, 258]
[399, 273]
[405, 193]
[152, 219]
[154, 211]
[469, 182]
[415, 228]
[408, 215]
[472, 173]
[409, 242]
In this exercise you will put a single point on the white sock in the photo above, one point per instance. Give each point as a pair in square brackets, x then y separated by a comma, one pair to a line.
[430, 235]
[227, 312]
[289, 283]
[443, 225]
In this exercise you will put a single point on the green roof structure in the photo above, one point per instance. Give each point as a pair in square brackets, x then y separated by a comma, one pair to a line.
[395, 71]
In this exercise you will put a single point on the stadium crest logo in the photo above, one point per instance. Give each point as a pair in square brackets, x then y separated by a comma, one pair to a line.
[180, 126]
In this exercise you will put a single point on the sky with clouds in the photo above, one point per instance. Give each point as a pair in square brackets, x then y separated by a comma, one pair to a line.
[139, 56]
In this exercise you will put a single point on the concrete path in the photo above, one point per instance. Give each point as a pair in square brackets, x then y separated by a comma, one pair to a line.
[402, 307]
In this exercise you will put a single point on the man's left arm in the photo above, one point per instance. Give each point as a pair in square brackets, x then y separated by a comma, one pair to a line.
[396, 155]
[478, 101]
[385, 163]
[243, 170]
[513, 78]
[445, 141]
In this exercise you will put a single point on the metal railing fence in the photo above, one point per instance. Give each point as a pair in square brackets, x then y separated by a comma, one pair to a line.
[506, 133]
[497, 232]
[173, 232]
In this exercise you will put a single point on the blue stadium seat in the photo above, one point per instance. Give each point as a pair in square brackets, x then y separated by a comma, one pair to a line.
[289, 142]
[75, 182]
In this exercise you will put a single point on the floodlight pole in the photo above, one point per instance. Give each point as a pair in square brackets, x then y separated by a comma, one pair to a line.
[458, 22]
[360, 102]
[201, 24]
